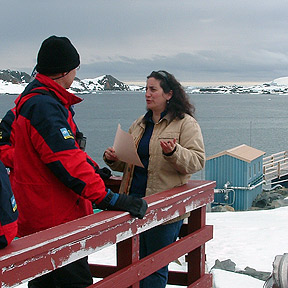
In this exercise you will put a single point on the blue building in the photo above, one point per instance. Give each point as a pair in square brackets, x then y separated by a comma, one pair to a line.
[238, 173]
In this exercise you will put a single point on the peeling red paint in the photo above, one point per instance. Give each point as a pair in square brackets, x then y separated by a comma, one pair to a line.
[42, 252]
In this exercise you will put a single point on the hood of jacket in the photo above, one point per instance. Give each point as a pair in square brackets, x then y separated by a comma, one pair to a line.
[44, 85]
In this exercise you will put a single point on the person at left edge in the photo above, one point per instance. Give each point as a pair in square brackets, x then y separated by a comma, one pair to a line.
[8, 209]
[7, 140]
[54, 179]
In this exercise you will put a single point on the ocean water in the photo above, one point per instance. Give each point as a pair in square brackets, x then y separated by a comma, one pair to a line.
[226, 120]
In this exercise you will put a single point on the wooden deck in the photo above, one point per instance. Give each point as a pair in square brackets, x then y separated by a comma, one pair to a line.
[42, 252]
[275, 166]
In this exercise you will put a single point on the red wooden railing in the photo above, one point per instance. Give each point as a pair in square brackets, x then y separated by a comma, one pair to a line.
[42, 252]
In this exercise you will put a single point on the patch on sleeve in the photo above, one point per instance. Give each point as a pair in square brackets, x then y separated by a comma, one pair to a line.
[13, 203]
[67, 134]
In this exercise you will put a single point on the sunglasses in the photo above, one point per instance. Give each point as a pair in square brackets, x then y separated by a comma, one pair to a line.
[163, 74]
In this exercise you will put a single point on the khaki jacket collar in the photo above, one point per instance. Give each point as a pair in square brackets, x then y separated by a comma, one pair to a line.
[142, 120]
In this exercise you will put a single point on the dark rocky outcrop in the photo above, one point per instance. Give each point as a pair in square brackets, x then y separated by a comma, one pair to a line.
[111, 83]
[15, 77]
[230, 266]
[271, 199]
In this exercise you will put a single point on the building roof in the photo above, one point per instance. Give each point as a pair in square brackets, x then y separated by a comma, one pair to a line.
[242, 152]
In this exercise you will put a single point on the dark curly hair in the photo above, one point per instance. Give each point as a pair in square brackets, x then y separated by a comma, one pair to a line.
[179, 103]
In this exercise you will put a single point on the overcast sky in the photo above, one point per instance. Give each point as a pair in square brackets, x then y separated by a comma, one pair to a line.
[196, 40]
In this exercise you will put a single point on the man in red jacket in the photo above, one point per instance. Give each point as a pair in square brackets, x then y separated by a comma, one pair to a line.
[54, 179]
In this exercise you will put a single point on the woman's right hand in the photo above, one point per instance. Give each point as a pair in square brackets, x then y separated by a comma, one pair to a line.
[110, 154]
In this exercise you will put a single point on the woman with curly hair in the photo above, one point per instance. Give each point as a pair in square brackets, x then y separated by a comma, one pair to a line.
[170, 145]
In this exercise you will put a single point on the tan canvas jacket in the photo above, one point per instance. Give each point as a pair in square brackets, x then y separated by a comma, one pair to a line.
[166, 172]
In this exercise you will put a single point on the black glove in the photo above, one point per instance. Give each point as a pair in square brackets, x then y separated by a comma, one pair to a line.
[114, 201]
[134, 205]
[104, 172]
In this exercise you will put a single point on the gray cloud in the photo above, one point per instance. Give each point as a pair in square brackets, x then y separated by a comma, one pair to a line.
[203, 66]
[201, 41]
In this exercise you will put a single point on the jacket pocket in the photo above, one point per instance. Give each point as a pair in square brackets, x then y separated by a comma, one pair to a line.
[169, 136]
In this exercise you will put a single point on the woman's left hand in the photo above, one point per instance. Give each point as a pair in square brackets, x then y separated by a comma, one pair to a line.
[168, 146]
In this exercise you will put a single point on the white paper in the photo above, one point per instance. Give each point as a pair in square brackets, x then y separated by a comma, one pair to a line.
[125, 148]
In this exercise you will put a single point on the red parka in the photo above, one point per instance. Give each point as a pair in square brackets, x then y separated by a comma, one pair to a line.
[54, 180]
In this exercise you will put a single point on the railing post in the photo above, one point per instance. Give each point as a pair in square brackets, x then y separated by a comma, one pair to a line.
[128, 253]
[196, 258]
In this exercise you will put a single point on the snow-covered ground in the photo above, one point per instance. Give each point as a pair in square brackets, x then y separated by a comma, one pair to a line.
[10, 88]
[250, 238]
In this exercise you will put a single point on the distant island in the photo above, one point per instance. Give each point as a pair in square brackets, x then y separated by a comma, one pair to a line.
[13, 82]
[277, 86]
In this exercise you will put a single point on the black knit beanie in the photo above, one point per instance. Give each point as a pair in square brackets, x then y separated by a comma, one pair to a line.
[57, 55]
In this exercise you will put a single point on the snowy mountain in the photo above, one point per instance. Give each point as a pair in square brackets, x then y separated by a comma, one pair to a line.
[13, 82]
[105, 82]
[283, 81]
[14, 77]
